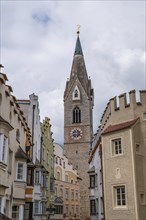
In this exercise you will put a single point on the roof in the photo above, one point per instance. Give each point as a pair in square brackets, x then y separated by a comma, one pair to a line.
[78, 48]
[117, 127]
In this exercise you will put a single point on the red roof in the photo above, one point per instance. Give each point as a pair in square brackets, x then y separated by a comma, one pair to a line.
[112, 128]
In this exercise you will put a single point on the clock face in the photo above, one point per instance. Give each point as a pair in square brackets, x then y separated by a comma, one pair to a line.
[76, 133]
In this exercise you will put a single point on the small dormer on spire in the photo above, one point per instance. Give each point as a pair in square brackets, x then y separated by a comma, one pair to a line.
[78, 48]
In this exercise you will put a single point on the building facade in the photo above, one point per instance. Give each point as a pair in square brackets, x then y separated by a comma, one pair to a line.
[15, 144]
[123, 140]
[31, 111]
[96, 180]
[47, 161]
[67, 187]
[78, 132]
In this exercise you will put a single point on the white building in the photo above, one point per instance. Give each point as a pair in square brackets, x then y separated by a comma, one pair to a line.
[95, 180]
[31, 111]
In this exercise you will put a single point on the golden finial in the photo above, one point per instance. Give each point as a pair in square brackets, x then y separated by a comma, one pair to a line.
[78, 29]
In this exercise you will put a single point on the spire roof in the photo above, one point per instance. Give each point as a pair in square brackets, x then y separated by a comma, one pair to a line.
[78, 48]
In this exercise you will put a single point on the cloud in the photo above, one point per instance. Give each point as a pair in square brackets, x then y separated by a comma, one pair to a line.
[37, 46]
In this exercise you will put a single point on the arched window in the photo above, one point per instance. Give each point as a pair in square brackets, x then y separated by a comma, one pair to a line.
[76, 115]
[76, 93]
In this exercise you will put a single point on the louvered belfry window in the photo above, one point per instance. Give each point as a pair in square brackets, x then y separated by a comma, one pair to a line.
[76, 115]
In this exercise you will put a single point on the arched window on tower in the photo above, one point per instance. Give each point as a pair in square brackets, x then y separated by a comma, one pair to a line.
[76, 115]
[76, 93]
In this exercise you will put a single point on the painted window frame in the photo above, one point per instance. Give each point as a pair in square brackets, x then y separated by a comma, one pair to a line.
[37, 180]
[36, 202]
[23, 179]
[3, 148]
[92, 181]
[118, 146]
[15, 212]
[92, 207]
[115, 202]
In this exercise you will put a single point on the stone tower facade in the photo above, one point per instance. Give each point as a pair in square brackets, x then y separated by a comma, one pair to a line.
[78, 125]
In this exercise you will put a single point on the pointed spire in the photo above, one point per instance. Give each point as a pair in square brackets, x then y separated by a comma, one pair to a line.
[78, 48]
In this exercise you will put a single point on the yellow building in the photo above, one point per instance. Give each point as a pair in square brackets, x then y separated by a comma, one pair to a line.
[67, 187]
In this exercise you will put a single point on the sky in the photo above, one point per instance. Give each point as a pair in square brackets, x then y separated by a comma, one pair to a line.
[38, 41]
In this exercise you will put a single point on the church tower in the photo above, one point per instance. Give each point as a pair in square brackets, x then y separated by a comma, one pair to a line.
[78, 124]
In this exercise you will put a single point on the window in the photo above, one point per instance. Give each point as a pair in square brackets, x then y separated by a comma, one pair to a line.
[66, 178]
[52, 163]
[92, 207]
[47, 158]
[96, 180]
[4, 148]
[76, 94]
[58, 209]
[18, 135]
[137, 148]
[30, 176]
[36, 207]
[92, 181]
[20, 171]
[72, 181]
[72, 195]
[44, 207]
[63, 164]
[44, 181]
[97, 206]
[10, 161]
[120, 196]
[100, 173]
[51, 183]
[142, 199]
[43, 154]
[37, 177]
[76, 115]
[116, 147]
[28, 210]
[76, 195]
[66, 194]
[60, 161]
[15, 212]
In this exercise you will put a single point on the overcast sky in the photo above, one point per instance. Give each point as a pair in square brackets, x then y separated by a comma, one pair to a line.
[38, 41]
